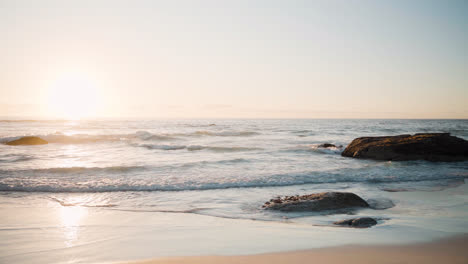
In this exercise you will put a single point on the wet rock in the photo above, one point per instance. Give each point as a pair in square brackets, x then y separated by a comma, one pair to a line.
[423, 146]
[329, 145]
[362, 222]
[27, 141]
[316, 202]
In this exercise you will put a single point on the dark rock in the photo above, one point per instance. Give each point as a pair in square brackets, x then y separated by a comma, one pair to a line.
[423, 146]
[27, 141]
[326, 145]
[362, 222]
[329, 145]
[316, 202]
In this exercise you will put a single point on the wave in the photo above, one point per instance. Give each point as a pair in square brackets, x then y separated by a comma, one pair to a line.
[316, 148]
[198, 147]
[199, 125]
[87, 138]
[424, 186]
[280, 180]
[115, 169]
[215, 162]
[139, 135]
[80, 203]
[145, 135]
[304, 133]
[226, 133]
[163, 147]
[64, 170]
[33, 121]
[71, 139]
[8, 158]
[222, 149]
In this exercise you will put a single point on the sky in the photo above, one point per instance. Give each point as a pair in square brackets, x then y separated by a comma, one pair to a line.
[234, 59]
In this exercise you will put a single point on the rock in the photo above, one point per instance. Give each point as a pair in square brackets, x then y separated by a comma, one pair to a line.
[316, 202]
[423, 146]
[27, 141]
[361, 222]
[328, 145]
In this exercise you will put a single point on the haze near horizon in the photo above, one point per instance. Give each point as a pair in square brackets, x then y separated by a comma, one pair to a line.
[237, 59]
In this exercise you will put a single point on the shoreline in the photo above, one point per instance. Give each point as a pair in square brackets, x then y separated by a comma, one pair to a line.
[44, 231]
[447, 250]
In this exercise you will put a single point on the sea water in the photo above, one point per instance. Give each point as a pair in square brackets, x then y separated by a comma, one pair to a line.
[225, 169]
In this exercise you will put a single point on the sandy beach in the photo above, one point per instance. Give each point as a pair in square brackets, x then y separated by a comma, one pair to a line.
[43, 231]
[451, 250]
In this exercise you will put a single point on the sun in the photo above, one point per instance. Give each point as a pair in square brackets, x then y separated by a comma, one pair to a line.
[73, 96]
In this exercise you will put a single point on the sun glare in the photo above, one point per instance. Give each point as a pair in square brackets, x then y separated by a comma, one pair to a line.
[73, 96]
[70, 218]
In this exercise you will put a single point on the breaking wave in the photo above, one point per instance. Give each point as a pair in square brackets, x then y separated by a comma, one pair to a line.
[112, 184]
[139, 135]
[316, 148]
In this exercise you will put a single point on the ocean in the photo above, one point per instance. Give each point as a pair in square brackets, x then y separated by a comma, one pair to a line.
[224, 169]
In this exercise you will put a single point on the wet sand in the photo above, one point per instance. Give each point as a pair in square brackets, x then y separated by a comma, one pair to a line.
[451, 250]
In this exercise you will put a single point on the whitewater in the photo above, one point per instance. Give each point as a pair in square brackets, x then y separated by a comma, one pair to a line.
[109, 156]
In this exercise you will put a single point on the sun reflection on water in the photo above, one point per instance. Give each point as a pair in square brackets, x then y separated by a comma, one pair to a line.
[70, 217]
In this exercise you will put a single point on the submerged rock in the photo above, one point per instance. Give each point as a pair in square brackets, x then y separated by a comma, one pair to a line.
[27, 141]
[380, 203]
[316, 202]
[328, 145]
[423, 146]
[361, 222]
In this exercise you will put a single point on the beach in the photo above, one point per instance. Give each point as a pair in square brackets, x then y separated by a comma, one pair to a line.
[451, 250]
[39, 231]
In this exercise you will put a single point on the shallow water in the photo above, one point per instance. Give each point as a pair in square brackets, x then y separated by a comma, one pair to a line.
[225, 169]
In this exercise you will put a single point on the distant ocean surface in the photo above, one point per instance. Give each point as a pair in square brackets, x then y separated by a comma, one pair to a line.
[224, 168]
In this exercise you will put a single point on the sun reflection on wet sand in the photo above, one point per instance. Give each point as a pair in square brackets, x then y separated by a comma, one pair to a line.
[70, 217]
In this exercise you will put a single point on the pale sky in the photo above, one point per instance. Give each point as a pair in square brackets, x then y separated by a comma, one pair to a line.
[234, 59]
